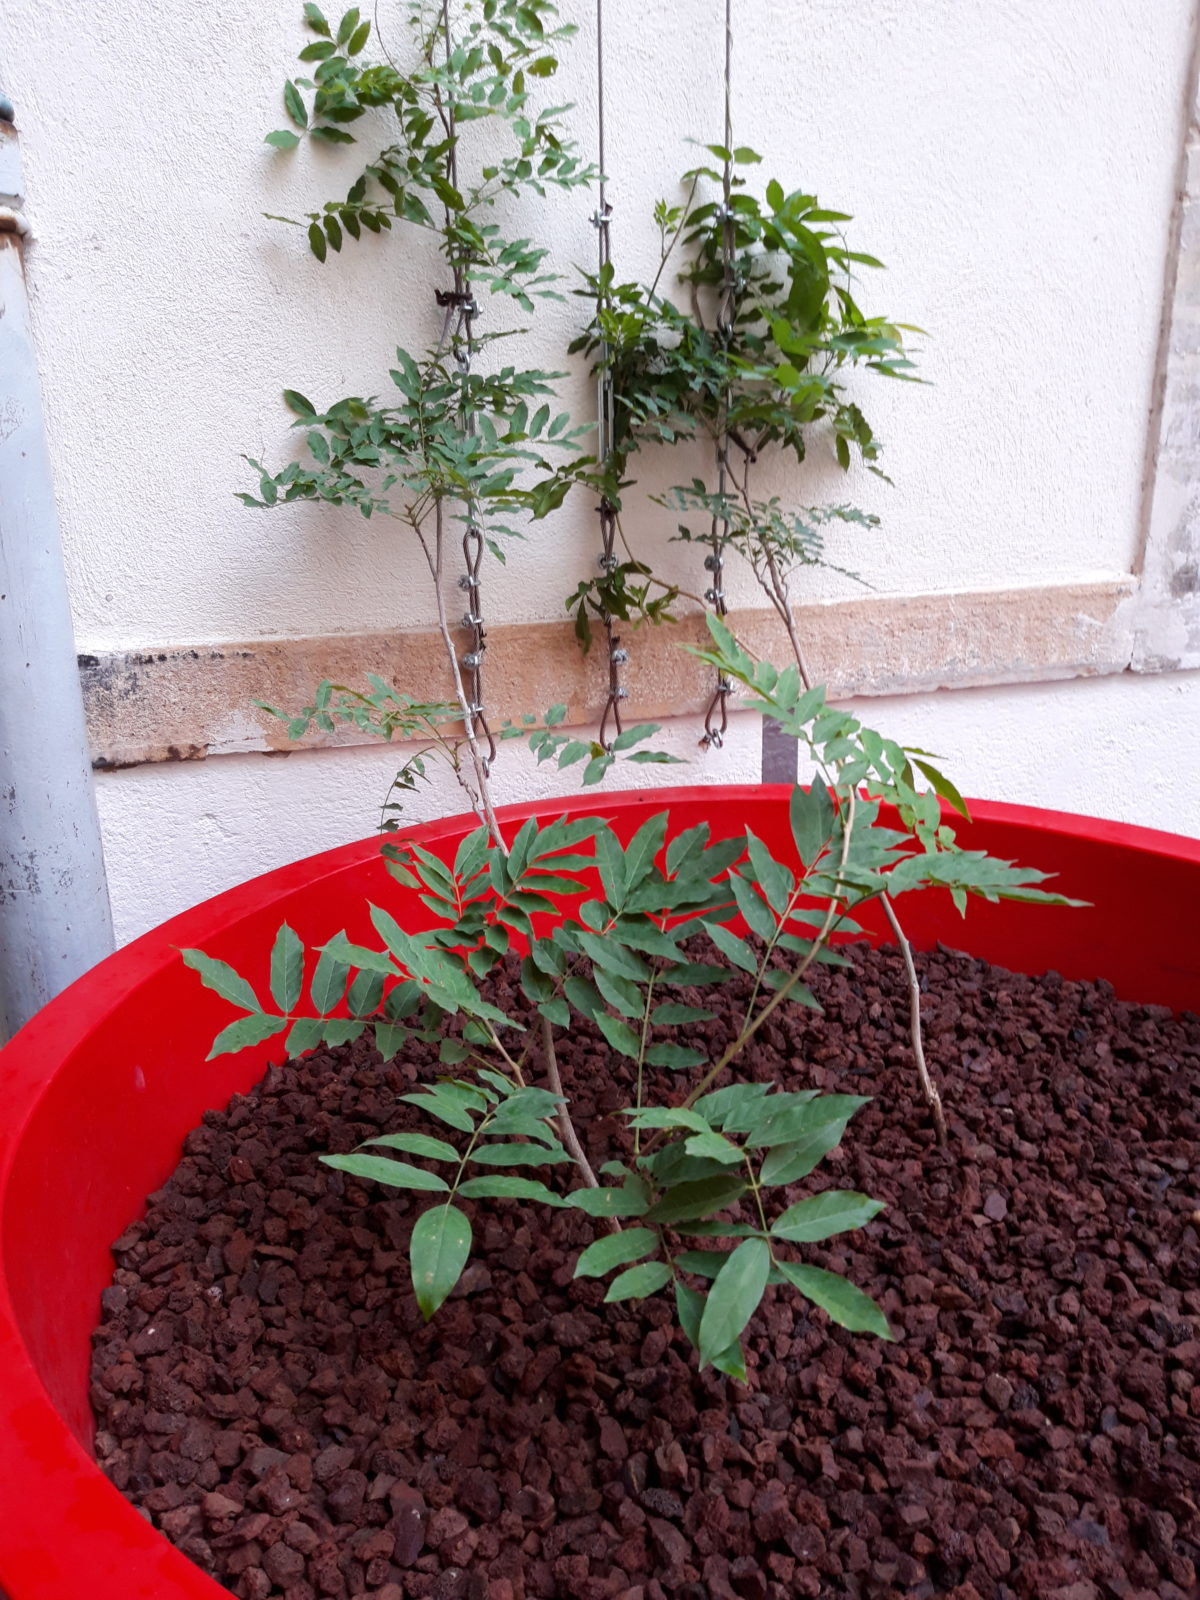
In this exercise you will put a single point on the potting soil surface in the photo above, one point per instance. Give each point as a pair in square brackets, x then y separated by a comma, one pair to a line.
[267, 1391]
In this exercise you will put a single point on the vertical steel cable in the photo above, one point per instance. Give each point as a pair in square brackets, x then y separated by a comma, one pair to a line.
[461, 310]
[716, 718]
[618, 656]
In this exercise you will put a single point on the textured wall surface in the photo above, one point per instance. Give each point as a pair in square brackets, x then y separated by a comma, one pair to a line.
[1014, 165]
[178, 833]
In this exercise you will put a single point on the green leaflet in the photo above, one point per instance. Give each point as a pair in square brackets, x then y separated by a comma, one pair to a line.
[749, 1111]
[287, 969]
[686, 847]
[611, 954]
[824, 1215]
[415, 1144]
[615, 1250]
[719, 1104]
[610, 859]
[847, 1305]
[623, 1202]
[713, 1147]
[676, 1056]
[788, 1163]
[222, 979]
[328, 981]
[438, 1251]
[737, 950]
[668, 1117]
[774, 879]
[644, 848]
[443, 1107]
[621, 993]
[517, 1155]
[366, 993]
[755, 912]
[500, 1186]
[783, 1122]
[397, 1174]
[585, 997]
[670, 1013]
[342, 1030]
[619, 1034]
[813, 819]
[734, 1296]
[305, 1034]
[246, 1031]
[689, 1306]
[700, 1198]
[635, 1283]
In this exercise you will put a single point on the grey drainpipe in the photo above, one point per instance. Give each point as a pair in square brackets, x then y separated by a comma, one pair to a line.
[55, 920]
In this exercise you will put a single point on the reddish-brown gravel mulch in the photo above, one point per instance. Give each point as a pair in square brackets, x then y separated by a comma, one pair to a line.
[267, 1392]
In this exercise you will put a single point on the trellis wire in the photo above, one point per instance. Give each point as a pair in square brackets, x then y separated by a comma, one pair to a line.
[461, 309]
[618, 656]
[716, 718]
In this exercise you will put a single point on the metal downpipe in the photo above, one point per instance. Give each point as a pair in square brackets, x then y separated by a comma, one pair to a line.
[55, 920]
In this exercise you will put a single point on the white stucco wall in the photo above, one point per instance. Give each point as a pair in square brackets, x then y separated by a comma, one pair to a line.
[1012, 163]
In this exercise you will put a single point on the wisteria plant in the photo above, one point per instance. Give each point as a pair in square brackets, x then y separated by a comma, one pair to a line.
[632, 937]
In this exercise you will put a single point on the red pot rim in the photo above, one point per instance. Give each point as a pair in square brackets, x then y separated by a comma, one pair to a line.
[64, 1528]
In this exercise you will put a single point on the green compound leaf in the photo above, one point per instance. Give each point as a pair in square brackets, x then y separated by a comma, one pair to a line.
[438, 1251]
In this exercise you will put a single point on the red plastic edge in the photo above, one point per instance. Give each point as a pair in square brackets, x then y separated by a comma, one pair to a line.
[98, 1089]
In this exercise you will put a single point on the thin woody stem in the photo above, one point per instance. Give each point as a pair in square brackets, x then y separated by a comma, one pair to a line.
[749, 1029]
[565, 1126]
[482, 796]
[777, 593]
[929, 1089]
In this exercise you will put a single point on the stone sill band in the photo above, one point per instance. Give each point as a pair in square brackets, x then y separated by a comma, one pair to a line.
[183, 703]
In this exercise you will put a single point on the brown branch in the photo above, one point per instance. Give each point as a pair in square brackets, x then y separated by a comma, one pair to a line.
[565, 1126]
[929, 1089]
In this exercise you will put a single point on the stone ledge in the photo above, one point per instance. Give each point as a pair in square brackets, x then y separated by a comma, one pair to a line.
[188, 702]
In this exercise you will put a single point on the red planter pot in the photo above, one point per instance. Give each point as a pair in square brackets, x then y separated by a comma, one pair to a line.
[98, 1091]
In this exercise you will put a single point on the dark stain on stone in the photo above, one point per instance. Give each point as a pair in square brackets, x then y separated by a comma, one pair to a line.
[1185, 581]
